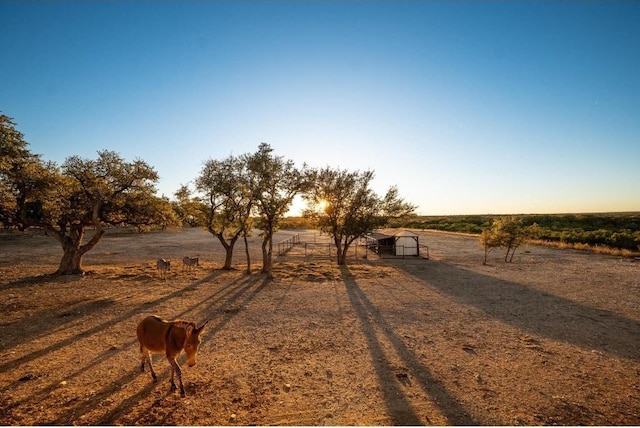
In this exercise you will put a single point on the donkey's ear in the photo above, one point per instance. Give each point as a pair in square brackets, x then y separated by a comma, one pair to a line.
[203, 325]
[189, 329]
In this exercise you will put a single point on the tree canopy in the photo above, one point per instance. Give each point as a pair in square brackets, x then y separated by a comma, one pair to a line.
[506, 232]
[18, 168]
[274, 183]
[189, 209]
[65, 200]
[80, 194]
[342, 204]
[229, 202]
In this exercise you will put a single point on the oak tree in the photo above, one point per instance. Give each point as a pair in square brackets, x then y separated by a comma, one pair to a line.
[342, 204]
[16, 162]
[228, 201]
[189, 208]
[506, 232]
[77, 199]
[274, 182]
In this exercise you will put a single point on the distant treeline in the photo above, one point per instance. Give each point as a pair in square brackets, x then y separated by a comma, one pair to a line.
[615, 230]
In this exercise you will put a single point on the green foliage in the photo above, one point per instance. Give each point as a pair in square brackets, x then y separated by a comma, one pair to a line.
[190, 210]
[615, 230]
[620, 230]
[274, 182]
[13, 148]
[474, 224]
[145, 211]
[81, 193]
[342, 204]
[228, 200]
[110, 190]
[19, 173]
[506, 232]
[489, 240]
[238, 192]
[227, 195]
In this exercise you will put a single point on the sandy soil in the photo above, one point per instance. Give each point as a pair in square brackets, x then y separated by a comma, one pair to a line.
[552, 338]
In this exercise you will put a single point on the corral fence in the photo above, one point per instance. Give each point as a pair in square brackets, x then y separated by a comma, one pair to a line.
[287, 244]
[316, 245]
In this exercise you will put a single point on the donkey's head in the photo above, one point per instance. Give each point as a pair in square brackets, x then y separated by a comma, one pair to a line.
[192, 343]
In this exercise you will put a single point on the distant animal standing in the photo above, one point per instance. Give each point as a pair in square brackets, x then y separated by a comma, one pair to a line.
[189, 262]
[163, 266]
[169, 337]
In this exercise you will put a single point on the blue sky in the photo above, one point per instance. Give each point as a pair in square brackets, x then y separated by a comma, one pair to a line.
[468, 107]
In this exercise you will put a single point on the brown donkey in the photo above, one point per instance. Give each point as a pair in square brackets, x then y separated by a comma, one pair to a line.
[169, 337]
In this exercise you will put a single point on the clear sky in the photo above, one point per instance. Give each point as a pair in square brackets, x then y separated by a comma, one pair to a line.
[468, 107]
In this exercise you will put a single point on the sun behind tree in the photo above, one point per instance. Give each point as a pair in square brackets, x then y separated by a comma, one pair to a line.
[342, 204]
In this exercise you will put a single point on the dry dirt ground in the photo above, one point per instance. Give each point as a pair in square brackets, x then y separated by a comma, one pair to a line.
[552, 338]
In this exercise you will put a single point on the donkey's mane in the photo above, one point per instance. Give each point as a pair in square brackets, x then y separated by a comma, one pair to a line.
[183, 324]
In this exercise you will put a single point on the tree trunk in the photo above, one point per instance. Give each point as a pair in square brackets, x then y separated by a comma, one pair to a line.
[71, 263]
[343, 250]
[228, 248]
[228, 258]
[342, 254]
[267, 253]
[246, 249]
[506, 257]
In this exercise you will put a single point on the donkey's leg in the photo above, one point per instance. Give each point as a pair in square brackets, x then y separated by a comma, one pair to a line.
[176, 368]
[147, 356]
[143, 358]
[173, 369]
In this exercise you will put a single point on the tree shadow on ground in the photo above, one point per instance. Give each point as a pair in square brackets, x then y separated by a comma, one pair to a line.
[43, 279]
[534, 311]
[220, 308]
[33, 327]
[223, 303]
[104, 325]
[232, 297]
[398, 405]
[234, 304]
